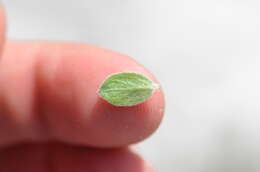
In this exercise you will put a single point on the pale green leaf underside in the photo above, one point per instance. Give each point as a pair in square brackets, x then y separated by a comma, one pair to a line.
[126, 89]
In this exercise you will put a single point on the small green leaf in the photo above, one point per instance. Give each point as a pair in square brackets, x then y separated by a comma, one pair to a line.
[127, 89]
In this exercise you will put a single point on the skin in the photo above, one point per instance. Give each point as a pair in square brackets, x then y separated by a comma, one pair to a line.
[51, 117]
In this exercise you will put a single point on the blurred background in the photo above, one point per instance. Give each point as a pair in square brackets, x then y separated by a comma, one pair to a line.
[205, 53]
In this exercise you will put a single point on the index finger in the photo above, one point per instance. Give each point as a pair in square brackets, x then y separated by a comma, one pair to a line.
[48, 91]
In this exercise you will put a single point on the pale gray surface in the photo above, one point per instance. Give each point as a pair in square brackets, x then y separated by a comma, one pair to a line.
[204, 52]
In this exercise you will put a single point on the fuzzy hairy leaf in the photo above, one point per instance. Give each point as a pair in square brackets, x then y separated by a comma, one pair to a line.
[127, 89]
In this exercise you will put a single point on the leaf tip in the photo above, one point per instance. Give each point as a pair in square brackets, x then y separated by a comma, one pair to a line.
[156, 86]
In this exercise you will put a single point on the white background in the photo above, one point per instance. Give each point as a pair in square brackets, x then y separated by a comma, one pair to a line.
[205, 53]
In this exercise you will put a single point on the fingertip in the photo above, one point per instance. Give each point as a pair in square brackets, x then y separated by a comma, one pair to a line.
[73, 84]
[125, 125]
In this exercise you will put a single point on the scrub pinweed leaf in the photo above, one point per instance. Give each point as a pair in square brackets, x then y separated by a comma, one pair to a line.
[127, 89]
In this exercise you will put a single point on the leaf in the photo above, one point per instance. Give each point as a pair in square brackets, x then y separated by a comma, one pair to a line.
[127, 89]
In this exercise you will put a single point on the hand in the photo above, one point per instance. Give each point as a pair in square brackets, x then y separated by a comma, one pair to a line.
[51, 117]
